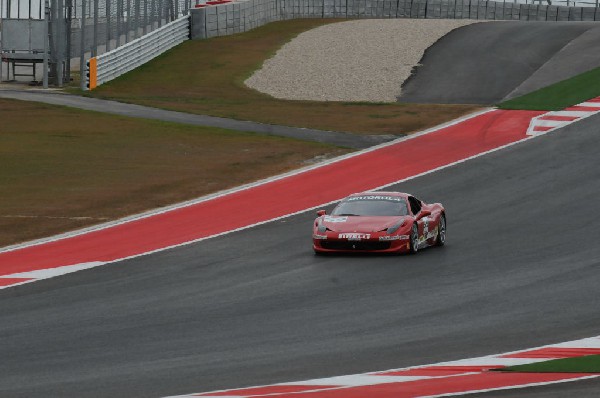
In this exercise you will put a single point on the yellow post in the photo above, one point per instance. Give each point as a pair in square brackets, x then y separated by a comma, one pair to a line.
[93, 73]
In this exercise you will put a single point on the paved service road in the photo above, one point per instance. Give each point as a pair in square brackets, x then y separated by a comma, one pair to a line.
[349, 140]
[485, 62]
[257, 307]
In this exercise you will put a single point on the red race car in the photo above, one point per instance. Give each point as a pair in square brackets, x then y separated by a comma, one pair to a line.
[380, 222]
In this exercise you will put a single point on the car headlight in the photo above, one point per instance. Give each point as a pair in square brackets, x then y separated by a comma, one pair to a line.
[321, 229]
[396, 226]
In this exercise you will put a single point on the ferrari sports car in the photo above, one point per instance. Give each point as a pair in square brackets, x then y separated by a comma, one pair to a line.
[380, 222]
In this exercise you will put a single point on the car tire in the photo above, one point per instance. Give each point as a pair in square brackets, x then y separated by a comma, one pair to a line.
[414, 239]
[440, 240]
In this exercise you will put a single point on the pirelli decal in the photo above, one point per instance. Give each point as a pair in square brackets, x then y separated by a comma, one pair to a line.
[354, 236]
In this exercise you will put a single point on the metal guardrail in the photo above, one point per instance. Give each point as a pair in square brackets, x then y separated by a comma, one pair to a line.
[115, 63]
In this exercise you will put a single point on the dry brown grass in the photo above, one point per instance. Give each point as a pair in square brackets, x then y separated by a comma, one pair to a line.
[63, 168]
[206, 77]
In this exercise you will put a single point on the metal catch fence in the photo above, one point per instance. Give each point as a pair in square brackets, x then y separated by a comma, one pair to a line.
[86, 28]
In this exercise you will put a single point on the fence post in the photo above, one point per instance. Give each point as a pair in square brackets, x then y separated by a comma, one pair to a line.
[108, 28]
[119, 14]
[68, 29]
[145, 20]
[127, 26]
[152, 14]
[82, 67]
[59, 42]
[46, 38]
[136, 12]
[160, 12]
[95, 41]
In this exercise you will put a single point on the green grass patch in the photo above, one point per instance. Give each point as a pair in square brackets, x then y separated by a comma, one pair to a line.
[207, 77]
[585, 364]
[559, 95]
[64, 168]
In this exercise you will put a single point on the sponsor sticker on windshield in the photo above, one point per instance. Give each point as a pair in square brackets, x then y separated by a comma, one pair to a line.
[376, 197]
[335, 219]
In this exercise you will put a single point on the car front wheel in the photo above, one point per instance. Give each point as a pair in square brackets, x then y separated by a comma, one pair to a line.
[414, 239]
[441, 235]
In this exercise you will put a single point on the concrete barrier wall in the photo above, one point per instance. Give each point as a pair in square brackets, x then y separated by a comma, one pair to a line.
[241, 16]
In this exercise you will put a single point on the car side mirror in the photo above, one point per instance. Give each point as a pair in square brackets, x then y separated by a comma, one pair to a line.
[321, 213]
[423, 213]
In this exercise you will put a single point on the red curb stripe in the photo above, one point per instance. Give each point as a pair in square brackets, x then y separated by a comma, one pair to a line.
[543, 128]
[554, 352]
[583, 108]
[259, 391]
[278, 198]
[597, 99]
[13, 281]
[440, 370]
[559, 118]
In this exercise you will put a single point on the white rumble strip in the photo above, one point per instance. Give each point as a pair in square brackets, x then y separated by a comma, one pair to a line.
[33, 276]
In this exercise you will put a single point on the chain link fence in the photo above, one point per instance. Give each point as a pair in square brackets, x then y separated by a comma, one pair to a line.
[80, 29]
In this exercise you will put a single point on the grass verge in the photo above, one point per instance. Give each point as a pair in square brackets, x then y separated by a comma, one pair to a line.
[560, 95]
[64, 169]
[585, 364]
[207, 77]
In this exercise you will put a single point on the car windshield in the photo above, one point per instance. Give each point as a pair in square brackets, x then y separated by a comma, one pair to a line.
[371, 206]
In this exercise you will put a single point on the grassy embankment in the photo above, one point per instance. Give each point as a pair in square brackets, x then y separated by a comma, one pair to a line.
[207, 77]
[559, 95]
[586, 364]
[64, 169]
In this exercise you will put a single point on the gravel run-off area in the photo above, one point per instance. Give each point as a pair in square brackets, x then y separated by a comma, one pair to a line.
[363, 60]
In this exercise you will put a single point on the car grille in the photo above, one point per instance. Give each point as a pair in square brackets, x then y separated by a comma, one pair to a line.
[344, 245]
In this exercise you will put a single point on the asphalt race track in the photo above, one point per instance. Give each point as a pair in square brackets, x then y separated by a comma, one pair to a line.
[485, 63]
[257, 307]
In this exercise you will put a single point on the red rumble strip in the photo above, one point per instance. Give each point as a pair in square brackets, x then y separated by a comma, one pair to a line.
[273, 199]
[445, 379]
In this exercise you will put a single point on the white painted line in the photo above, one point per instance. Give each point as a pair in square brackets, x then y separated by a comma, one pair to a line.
[357, 380]
[494, 361]
[590, 105]
[52, 272]
[577, 114]
[592, 342]
[551, 123]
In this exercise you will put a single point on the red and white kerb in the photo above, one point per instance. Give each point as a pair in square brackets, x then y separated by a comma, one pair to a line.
[552, 120]
[443, 379]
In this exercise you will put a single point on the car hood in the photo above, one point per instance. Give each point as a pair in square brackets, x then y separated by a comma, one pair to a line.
[359, 223]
